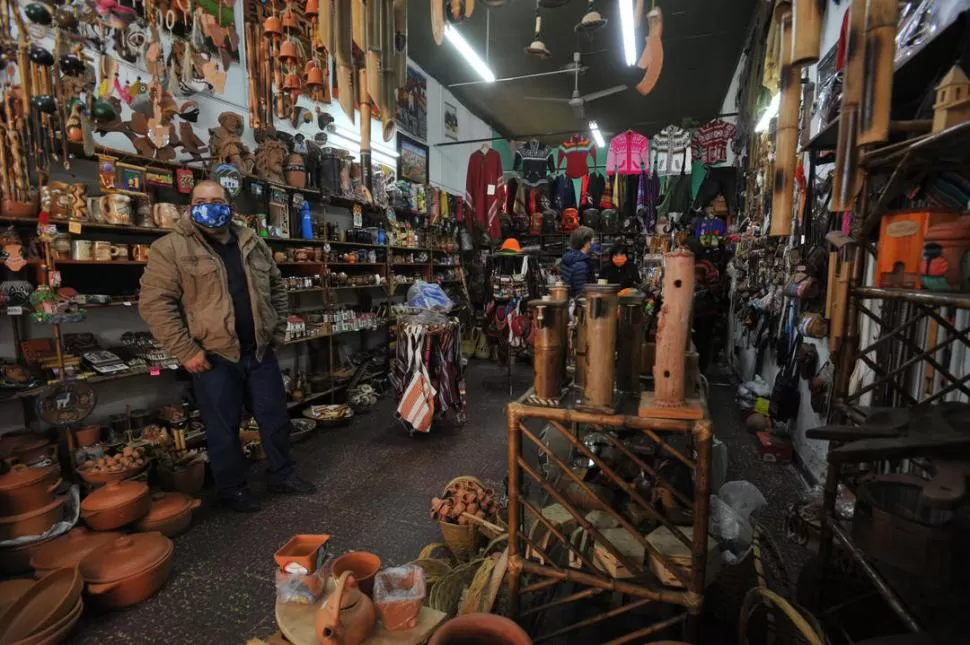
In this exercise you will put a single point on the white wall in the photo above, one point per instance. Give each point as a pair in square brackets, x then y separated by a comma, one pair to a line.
[811, 452]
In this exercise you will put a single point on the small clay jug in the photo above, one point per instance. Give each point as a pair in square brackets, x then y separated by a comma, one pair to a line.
[295, 170]
[347, 617]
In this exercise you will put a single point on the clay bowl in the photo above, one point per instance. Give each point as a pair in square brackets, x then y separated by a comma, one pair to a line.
[57, 632]
[128, 588]
[26, 448]
[16, 560]
[480, 629]
[115, 505]
[47, 602]
[88, 435]
[362, 565]
[35, 522]
[103, 477]
[17, 208]
[68, 550]
[24, 489]
[12, 590]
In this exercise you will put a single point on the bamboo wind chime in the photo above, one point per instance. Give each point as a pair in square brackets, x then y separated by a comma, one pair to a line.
[881, 19]
[847, 180]
[806, 31]
[786, 140]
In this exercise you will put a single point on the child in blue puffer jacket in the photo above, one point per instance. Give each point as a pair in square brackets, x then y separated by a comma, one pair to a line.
[576, 267]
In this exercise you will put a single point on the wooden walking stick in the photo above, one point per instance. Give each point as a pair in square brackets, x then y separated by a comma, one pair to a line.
[806, 31]
[877, 92]
[847, 179]
[786, 140]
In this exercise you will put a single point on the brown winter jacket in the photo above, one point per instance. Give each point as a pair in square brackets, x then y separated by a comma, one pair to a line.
[185, 294]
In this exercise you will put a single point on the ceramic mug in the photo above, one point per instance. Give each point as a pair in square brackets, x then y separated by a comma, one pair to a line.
[94, 209]
[165, 215]
[139, 252]
[62, 246]
[82, 249]
[101, 251]
[116, 209]
[119, 251]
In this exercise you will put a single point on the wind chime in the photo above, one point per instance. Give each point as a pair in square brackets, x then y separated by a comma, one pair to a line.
[538, 48]
[786, 140]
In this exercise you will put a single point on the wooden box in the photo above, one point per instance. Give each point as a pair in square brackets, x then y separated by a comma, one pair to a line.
[665, 542]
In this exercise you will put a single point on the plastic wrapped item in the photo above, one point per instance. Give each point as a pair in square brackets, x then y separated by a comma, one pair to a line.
[427, 295]
[301, 589]
[399, 593]
[730, 511]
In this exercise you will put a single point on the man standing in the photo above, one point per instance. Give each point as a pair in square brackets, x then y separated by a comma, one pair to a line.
[212, 296]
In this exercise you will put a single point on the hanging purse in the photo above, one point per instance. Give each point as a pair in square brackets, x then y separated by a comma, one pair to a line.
[785, 396]
[801, 285]
[813, 325]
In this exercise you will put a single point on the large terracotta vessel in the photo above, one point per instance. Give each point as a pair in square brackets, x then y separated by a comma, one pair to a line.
[347, 617]
[480, 629]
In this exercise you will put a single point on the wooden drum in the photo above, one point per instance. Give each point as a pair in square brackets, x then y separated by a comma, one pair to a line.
[600, 312]
[629, 343]
[548, 320]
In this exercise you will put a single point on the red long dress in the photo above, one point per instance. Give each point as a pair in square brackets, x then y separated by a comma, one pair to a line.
[484, 170]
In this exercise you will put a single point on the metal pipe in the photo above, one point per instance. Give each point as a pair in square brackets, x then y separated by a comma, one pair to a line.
[512, 78]
[920, 297]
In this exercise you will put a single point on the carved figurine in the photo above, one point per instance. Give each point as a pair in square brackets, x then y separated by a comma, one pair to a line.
[79, 201]
[270, 155]
[227, 147]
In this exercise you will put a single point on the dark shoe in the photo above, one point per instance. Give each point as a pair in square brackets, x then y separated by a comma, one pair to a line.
[293, 486]
[241, 501]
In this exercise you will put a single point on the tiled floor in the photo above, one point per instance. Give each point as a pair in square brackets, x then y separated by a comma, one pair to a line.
[375, 483]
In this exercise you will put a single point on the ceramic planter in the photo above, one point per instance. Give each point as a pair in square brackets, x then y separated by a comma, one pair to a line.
[303, 554]
[170, 514]
[68, 550]
[24, 489]
[128, 570]
[363, 565]
[35, 522]
[25, 448]
[116, 504]
[399, 593]
[88, 435]
[480, 628]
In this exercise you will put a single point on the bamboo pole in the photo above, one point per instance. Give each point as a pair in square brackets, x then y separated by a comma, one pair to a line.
[343, 55]
[673, 328]
[366, 173]
[807, 31]
[846, 181]
[881, 17]
[786, 140]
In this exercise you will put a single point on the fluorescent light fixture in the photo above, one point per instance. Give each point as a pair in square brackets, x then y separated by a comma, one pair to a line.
[770, 112]
[597, 135]
[629, 38]
[456, 39]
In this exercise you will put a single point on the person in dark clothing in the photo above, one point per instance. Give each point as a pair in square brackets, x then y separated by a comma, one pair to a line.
[621, 270]
[576, 267]
[213, 297]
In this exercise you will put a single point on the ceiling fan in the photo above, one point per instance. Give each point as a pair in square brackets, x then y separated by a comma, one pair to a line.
[578, 101]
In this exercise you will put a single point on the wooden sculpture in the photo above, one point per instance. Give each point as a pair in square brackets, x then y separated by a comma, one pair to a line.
[268, 160]
[878, 71]
[652, 58]
[226, 146]
[846, 179]
[787, 136]
[952, 104]
[806, 31]
[673, 335]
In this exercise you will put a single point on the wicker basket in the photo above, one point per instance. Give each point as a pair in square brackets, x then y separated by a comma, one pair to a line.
[446, 595]
[462, 539]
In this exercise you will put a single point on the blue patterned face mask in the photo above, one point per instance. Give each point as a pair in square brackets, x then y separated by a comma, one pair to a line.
[211, 215]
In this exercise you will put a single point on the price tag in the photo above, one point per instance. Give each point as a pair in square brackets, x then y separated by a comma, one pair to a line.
[15, 311]
[50, 229]
[155, 371]
[490, 190]
[74, 227]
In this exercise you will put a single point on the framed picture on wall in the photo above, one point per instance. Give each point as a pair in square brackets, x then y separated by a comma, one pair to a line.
[451, 121]
[412, 105]
[412, 161]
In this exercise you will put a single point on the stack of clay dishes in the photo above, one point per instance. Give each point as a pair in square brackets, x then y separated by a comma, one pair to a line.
[127, 570]
[27, 448]
[170, 514]
[28, 505]
[116, 504]
[46, 612]
[69, 550]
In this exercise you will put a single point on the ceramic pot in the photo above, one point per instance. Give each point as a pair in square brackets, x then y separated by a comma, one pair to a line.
[16, 560]
[363, 565]
[170, 514]
[24, 489]
[128, 570]
[188, 480]
[68, 550]
[475, 629]
[399, 593]
[25, 448]
[116, 504]
[49, 601]
[88, 435]
[18, 208]
[295, 170]
[35, 522]
[116, 209]
[347, 616]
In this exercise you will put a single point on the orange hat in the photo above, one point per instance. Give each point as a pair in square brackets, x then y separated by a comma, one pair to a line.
[511, 244]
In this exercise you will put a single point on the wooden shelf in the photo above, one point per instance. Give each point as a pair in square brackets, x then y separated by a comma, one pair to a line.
[410, 264]
[93, 380]
[103, 262]
[316, 396]
[358, 287]
[356, 264]
[311, 290]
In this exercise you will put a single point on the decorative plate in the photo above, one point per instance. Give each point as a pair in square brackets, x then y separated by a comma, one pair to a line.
[66, 402]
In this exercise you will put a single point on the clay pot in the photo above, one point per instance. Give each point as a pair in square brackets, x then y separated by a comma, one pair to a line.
[347, 617]
[314, 76]
[290, 22]
[35, 522]
[188, 480]
[68, 550]
[312, 8]
[16, 560]
[88, 435]
[363, 565]
[12, 590]
[18, 208]
[295, 170]
[24, 489]
[291, 83]
[49, 601]
[480, 629]
[399, 594]
[272, 27]
[116, 504]
[288, 52]
[128, 570]
[25, 448]
[170, 514]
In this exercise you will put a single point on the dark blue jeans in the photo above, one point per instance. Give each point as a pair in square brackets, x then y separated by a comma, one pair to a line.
[221, 394]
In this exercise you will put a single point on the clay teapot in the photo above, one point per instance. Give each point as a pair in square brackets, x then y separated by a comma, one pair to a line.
[347, 617]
